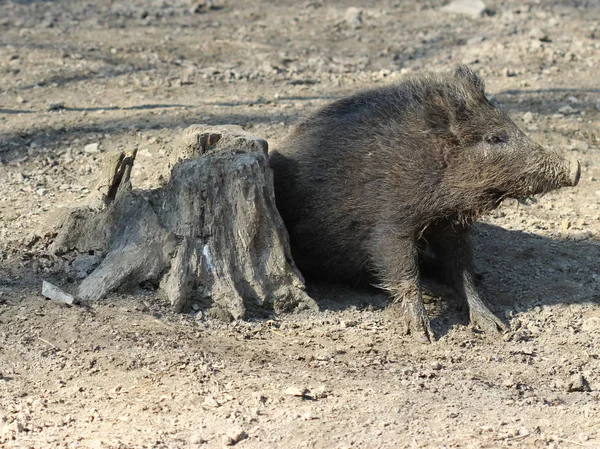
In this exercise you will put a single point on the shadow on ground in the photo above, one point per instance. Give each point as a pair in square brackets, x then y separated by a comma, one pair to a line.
[517, 272]
[14, 145]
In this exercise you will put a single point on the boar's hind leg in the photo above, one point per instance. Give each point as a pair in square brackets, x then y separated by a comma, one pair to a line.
[395, 261]
[453, 249]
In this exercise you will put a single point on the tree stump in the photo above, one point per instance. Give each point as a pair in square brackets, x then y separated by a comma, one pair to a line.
[210, 233]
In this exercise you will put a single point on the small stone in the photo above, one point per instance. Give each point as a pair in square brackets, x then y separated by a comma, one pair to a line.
[13, 427]
[528, 117]
[234, 436]
[592, 325]
[21, 100]
[188, 74]
[566, 110]
[539, 34]
[41, 192]
[53, 292]
[354, 17]
[92, 148]
[472, 8]
[202, 6]
[211, 402]
[325, 355]
[535, 45]
[196, 439]
[578, 383]
[508, 72]
[320, 392]
[509, 382]
[56, 106]
[573, 100]
[349, 323]
[476, 40]
[296, 391]
[436, 366]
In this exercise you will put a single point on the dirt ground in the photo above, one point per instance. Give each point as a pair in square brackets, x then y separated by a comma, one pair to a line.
[79, 79]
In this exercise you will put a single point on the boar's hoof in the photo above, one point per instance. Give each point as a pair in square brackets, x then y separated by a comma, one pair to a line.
[487, 321]
[575, 173]
[412, 317]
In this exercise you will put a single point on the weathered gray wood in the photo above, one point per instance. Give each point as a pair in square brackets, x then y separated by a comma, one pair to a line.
[212, 232]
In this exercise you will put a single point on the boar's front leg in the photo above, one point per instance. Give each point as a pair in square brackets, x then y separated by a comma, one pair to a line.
[395, 261]
[452, 248]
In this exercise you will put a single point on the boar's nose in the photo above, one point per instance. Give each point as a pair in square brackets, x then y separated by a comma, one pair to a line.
[575, 173]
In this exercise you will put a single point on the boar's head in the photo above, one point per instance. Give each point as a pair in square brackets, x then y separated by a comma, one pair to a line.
[487, 158]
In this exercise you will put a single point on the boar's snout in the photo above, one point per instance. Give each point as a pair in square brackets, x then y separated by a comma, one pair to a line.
[575, 173]
[548, 171]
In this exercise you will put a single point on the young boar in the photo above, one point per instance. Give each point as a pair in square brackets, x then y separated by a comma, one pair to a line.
[370, 183]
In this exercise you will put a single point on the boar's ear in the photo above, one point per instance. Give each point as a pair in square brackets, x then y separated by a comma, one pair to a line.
[438, 114]
[465, 73]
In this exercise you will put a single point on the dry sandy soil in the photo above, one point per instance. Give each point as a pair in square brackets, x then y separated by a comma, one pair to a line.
[126, 372]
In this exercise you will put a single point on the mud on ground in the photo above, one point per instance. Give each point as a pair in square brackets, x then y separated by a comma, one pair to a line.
[78, 79]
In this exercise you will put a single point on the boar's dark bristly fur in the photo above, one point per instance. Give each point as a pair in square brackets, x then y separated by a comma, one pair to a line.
[369, 182]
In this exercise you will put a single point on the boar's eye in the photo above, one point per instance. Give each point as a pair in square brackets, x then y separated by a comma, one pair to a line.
[497, 139]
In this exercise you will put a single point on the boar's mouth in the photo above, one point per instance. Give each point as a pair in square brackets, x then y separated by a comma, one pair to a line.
[496, 196]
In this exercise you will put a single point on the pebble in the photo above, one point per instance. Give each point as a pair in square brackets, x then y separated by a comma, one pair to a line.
[196, 439]
[92, 148]
[13, 427]
[325, 355]
[578, 383]
[528, 117]
[188, 74]
[472, 8]
[56, 106]
[535, 45]
[296, 391]
[566, 110]
[199, 7]
[539, 34]
[53, 292]
[476, 40]
[592, 324]
[234, 436]
[354, 17]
